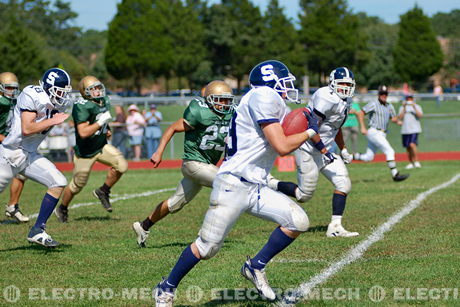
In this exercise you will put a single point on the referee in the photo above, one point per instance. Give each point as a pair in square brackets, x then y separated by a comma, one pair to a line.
[380, 113]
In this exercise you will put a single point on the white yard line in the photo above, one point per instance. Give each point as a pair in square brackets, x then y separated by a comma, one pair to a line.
[357, 252]
[115, 199]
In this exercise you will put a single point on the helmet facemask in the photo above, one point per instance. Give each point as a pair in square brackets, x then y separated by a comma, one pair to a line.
[96, 91]
[58, 95]
[286, 86]
[221, 103]
[10, 91]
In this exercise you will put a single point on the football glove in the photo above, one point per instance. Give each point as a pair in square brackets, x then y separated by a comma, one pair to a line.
[346, 156]
[104, 118]
[312, 123]
[328, 158]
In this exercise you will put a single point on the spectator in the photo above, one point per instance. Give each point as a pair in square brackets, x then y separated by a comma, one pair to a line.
[410, 114]
[120, 135]
[135, 125]
[437, 91]
[350, 129]
[152, 131]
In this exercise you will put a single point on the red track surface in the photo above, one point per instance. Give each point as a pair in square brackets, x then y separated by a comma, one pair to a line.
[172, 164]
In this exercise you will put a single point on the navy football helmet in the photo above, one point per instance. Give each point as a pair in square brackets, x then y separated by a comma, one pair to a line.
[342, 82]
[56, 83]
[276, 75]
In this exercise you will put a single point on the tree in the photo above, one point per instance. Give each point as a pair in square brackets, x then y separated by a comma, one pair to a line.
[186, 32]
[446, 24]
[331, 36]
[281, 39]
[234, 38]
[382, 38]
[136, 45]
[417, 54]
[21, 52]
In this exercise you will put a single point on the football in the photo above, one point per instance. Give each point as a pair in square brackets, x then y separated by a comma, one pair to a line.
[295, 122]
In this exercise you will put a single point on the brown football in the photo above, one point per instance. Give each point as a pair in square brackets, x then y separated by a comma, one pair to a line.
[295, 122]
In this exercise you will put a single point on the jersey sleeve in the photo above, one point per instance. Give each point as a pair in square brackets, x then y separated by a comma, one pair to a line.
[392, 111]
[322, 107]
[26, 103]
[192, 114]
[265, 107]
[369, 107]
[80, 113]
[418, 108]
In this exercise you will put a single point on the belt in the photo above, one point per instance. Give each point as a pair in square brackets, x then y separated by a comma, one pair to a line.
[379, 129]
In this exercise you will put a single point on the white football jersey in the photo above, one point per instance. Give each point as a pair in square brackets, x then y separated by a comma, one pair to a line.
[331, 111]
[34, 99]
[248, 153]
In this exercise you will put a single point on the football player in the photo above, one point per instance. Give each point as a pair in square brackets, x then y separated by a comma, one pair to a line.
[39, 108]
[91, 116]
[205, 124]
[9, 91]
[380, 113]
[331, 104]
[255, 139]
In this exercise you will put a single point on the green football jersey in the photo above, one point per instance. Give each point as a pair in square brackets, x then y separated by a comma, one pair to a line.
[206, 142]
[89, 111]
[5, 106]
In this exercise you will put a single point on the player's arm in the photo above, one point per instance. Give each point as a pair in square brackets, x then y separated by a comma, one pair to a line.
[85, 130]
[362, 126]
[179, 126]
[281, 143]
[2, 137]
[29, 126]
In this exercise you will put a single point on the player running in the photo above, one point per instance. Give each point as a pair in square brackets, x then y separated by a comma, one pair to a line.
[38, 109]
[9, 91]
[205, 123]
[92, 116]
[255, 139]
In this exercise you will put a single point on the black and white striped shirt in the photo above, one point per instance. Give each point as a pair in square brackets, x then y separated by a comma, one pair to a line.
[379, 114]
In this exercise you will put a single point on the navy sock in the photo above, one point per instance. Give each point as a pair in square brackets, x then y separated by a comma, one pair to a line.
[276, 243]
[47, 207]
[287, 188]
[184, 264]
[338, 204]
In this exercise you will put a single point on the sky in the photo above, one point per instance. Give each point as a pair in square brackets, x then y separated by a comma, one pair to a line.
[97, 14]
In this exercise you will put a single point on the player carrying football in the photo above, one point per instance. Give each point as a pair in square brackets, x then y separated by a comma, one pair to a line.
[92, 116]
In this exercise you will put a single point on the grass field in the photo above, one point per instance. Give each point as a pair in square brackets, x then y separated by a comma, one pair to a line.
[99, 262]
[439, 133]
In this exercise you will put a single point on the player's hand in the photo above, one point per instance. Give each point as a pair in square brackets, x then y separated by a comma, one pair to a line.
[328, 158]
[109, 134]
[104, 118]
[312, 120]
[59, 118]
[346, 156]
[156, 159]
[363, 131]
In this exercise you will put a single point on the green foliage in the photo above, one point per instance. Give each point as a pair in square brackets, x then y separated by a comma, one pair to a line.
[447, 24]
[19, 46]
[417, 54]
[380, 68]
[136, 46]
[281, 39]
[331, 36]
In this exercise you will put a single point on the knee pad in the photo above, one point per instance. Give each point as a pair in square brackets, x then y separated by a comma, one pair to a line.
[207, 250]
[176, 203]
[342, 184]
[304, 196]
[122, 165]
[300, 219]
[59, 179]
[78, 182]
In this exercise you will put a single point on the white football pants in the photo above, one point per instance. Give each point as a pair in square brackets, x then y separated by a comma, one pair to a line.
[377, 140]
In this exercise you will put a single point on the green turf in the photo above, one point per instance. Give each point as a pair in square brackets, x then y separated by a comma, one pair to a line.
[99, 249]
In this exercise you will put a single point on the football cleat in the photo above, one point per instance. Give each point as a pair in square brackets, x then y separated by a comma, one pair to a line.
[258, 278]
[335, 229]
[409, 166]
[417, 164]
[104, 198]
[399, 177]
[39, 236]
[163, 298]
[16, 213]
[142, 234]
[62, 213]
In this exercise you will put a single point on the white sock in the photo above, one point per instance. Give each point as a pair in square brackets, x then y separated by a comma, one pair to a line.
[336, 219]
[10, 208]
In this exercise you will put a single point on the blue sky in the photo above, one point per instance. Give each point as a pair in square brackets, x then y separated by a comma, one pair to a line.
[97, 14]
